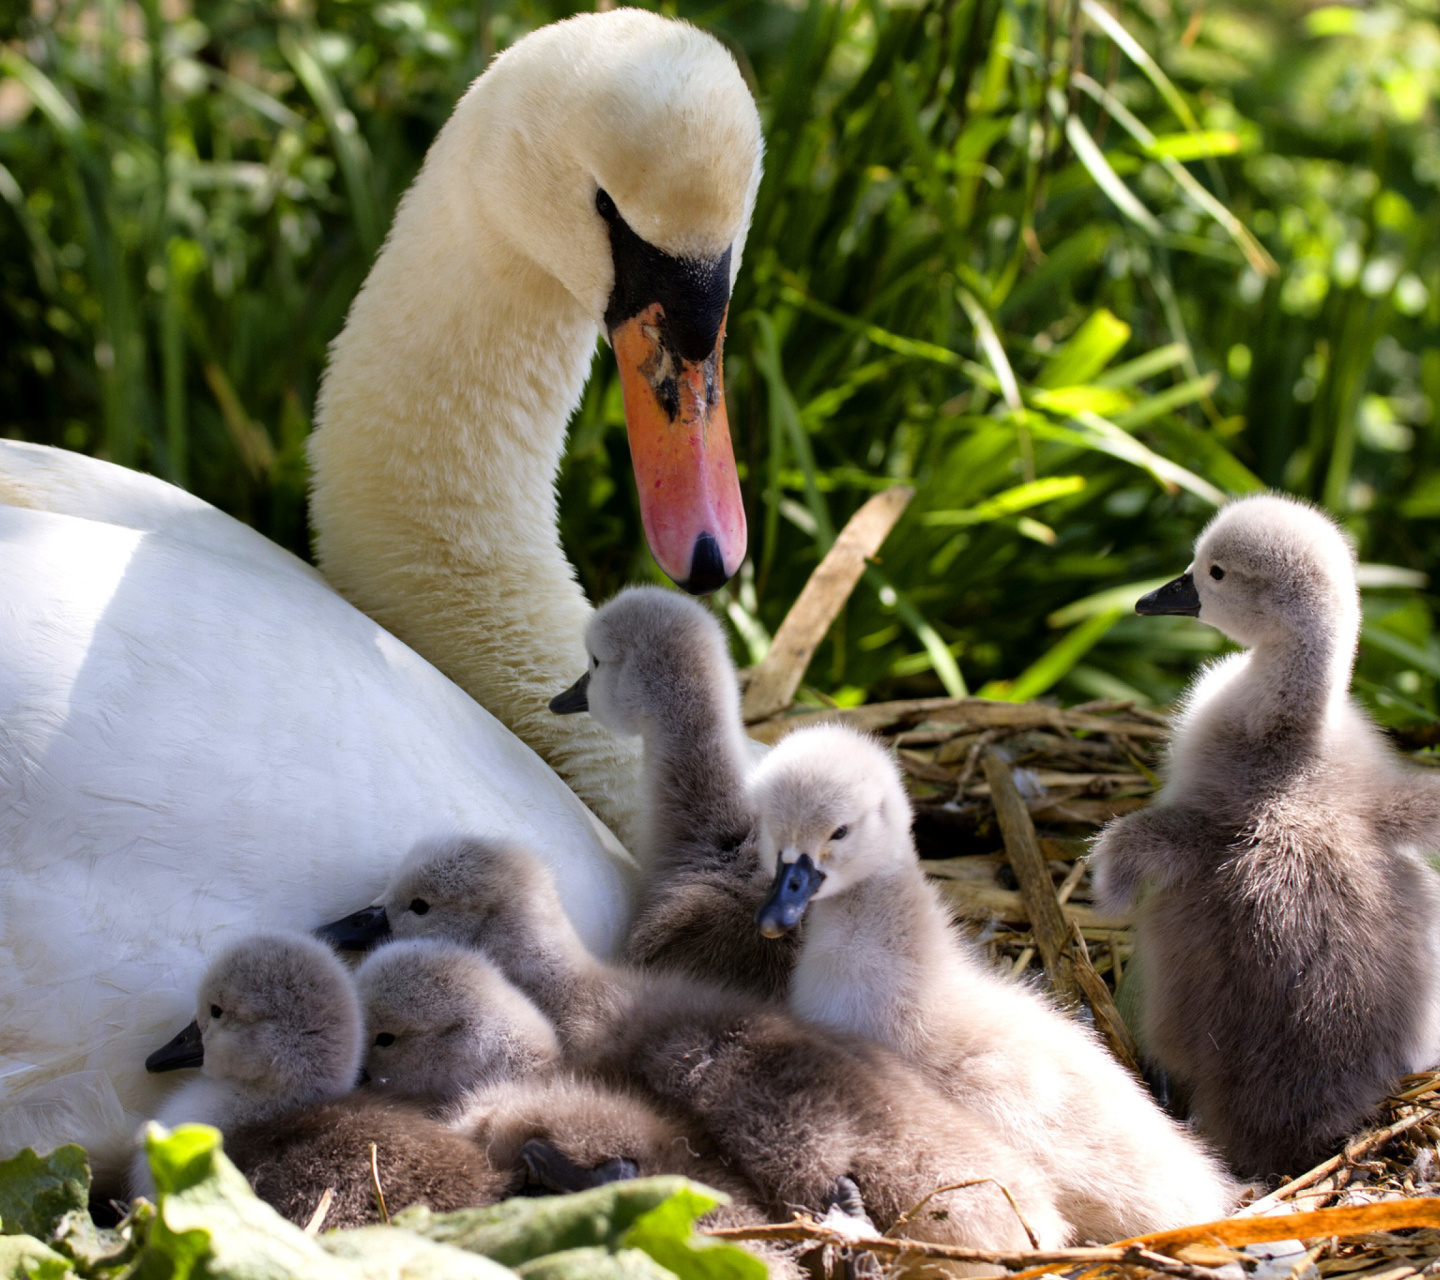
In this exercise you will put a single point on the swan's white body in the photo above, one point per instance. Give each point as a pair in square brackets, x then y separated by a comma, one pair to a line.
[198, 737]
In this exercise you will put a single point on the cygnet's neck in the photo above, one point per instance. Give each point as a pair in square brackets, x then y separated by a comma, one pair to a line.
[694, 771]
[547, 961]
[865, 959]
[441, 425]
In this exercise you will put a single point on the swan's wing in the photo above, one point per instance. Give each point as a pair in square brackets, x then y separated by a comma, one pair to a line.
[197, 741]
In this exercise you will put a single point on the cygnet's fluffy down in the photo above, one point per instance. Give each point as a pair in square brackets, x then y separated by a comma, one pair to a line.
[794, 1109]
[659, 667]
[280, 1031]
[1288, 930]
[881, 959]
[448, 1029]
[443, 1020]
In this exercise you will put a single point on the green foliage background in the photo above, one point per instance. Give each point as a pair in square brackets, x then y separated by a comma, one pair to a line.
[1073, 271]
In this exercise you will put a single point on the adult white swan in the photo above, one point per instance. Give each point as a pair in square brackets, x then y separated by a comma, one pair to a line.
[198, 736]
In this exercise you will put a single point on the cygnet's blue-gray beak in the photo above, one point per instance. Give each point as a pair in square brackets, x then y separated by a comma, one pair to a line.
[575, 698]
[795, 884]
[186, 1050]
[359, 931]
[1178, 596]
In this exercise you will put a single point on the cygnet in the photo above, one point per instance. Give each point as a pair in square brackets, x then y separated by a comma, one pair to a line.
[443, 1020]
[1287, 920]
[660, 668]
[881, 959]
[447, 1028]
[278, 1036]
[796, 1110]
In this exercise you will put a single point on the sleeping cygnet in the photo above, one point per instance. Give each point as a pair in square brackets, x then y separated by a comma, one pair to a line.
[1288, 931]
[881, 959]
[797, 1112]
[446, 1028]
[660, 668]
[278, 1036]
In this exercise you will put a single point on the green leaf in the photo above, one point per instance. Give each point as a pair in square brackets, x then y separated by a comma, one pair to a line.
[1167, 401]
[1099, 168]
[1196, 146]
[392, 1253]
[516, 1230]
[1122, 598]
[208, 1223]
[36, 1192]
[595, 1264]
[1010, 502]
[1052, 666]
[1068, 401]
[1092, 346]
[667, 1233]
[25, 1258]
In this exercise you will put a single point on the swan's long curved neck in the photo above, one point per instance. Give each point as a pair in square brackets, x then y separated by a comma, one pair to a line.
[440, 428]
[1292, 689]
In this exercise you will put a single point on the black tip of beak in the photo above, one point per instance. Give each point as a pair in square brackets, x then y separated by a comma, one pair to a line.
[795, 884]
[575, 699]
[186, 1050]
[707, 567]
[361, 931]
[551, 1169]
[1179, 597]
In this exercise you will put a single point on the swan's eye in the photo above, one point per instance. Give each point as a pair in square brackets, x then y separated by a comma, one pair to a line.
[216, 1011]
[419, 906]
[606, 206]
[840, 833]
[384, 1040]
[1216, 572]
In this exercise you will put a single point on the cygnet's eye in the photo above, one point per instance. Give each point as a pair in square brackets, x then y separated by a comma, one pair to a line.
[384, 1040]
[216, 1011]
[840, 833]
[1216, 572]
[605, 206]
[419, 906]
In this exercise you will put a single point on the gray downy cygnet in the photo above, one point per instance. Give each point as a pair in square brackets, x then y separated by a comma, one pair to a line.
[881, 959]
[447, 1029]
[278, 1037]
[659, 667]
[1287, 919]
[799, 1112]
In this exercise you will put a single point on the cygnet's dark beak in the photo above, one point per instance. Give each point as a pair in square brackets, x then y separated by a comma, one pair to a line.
[795, 884]
[576, 698]
[186, 1050]
[1178, 596]
[548, 1167]
[359, 931]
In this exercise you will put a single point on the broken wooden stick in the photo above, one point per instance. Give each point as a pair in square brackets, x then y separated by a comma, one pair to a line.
[1062, 949]
[774, 680]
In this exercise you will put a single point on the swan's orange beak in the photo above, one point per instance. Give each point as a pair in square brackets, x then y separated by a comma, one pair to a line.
[680, 448]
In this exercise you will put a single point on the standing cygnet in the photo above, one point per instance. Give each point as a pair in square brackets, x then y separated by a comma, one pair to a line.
[660, 668]
[1288, 934]
[443, 1020]
[881, 959]
[278, 1035]
[797, 1111]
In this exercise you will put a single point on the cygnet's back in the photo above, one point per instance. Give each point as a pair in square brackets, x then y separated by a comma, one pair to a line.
[660, 667]
[278, 1034]
[794, 1109]
[881, 959]
[1289, 938]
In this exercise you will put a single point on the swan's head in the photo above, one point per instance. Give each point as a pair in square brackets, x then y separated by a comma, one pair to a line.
[1268, 570]
[442, 1019]
[621, 152]
[652, 654]
[278, 1018]
[831, 811]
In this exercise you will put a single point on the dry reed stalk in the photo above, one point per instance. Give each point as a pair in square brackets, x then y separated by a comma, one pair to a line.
[773, 682]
